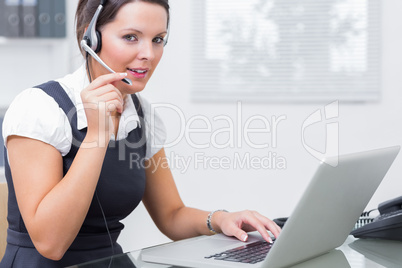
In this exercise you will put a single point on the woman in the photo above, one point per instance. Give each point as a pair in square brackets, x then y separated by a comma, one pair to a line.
[69, 144]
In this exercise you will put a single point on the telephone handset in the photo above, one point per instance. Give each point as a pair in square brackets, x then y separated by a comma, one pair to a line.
[387, 225]
[390, 205]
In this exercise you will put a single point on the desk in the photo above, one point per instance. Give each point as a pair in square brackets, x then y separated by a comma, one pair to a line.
[354, 253]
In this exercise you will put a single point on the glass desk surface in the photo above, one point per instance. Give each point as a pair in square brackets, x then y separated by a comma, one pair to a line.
[354, 253]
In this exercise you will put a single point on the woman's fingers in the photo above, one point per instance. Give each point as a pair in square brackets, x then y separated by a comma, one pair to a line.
[239, 223]
[100, 99]
[269, 224]
[106, 79]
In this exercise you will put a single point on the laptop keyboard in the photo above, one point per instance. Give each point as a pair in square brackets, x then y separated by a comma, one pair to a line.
[251, 253]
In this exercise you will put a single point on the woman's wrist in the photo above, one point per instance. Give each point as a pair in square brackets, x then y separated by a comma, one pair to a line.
[99, 139]
[214, 220]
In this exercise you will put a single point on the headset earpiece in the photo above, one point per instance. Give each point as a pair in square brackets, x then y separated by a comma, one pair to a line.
[92, 41]
[92, 37]
[98, 42]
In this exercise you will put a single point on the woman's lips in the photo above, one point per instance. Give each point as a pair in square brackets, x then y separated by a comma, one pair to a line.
[138, 73]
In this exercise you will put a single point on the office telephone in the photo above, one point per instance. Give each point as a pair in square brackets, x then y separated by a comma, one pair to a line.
[387, 225]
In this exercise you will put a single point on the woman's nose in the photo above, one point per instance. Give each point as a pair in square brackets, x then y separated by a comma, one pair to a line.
[146, 50]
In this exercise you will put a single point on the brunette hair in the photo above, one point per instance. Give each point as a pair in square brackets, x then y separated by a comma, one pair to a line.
[86, 10]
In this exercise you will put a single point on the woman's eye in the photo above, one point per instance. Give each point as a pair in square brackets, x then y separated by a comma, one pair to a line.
[158, 40]
[130, 37]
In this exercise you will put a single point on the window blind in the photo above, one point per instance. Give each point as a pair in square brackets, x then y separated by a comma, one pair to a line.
[286, 50]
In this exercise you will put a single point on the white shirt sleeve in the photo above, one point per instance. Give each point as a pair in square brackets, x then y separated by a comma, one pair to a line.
[155, 129]
[36, 115]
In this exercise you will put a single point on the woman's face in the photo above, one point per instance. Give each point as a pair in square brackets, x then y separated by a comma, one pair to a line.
[133, 43]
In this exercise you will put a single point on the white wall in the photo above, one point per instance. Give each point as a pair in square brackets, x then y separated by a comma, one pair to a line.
[28, 62]
[273, 192]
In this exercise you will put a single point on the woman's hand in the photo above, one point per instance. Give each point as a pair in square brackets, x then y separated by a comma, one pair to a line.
[100, 99]
[239, 223]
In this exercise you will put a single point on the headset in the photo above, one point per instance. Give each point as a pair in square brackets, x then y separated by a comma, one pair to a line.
[92, 40]
[92, 43]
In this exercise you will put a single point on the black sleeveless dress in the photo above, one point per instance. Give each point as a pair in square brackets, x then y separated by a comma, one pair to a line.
[120, 189]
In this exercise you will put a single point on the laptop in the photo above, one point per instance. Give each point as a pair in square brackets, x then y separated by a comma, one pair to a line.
[320, 222]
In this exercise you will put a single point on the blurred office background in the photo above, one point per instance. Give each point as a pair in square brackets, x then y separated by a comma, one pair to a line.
[223, 69]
